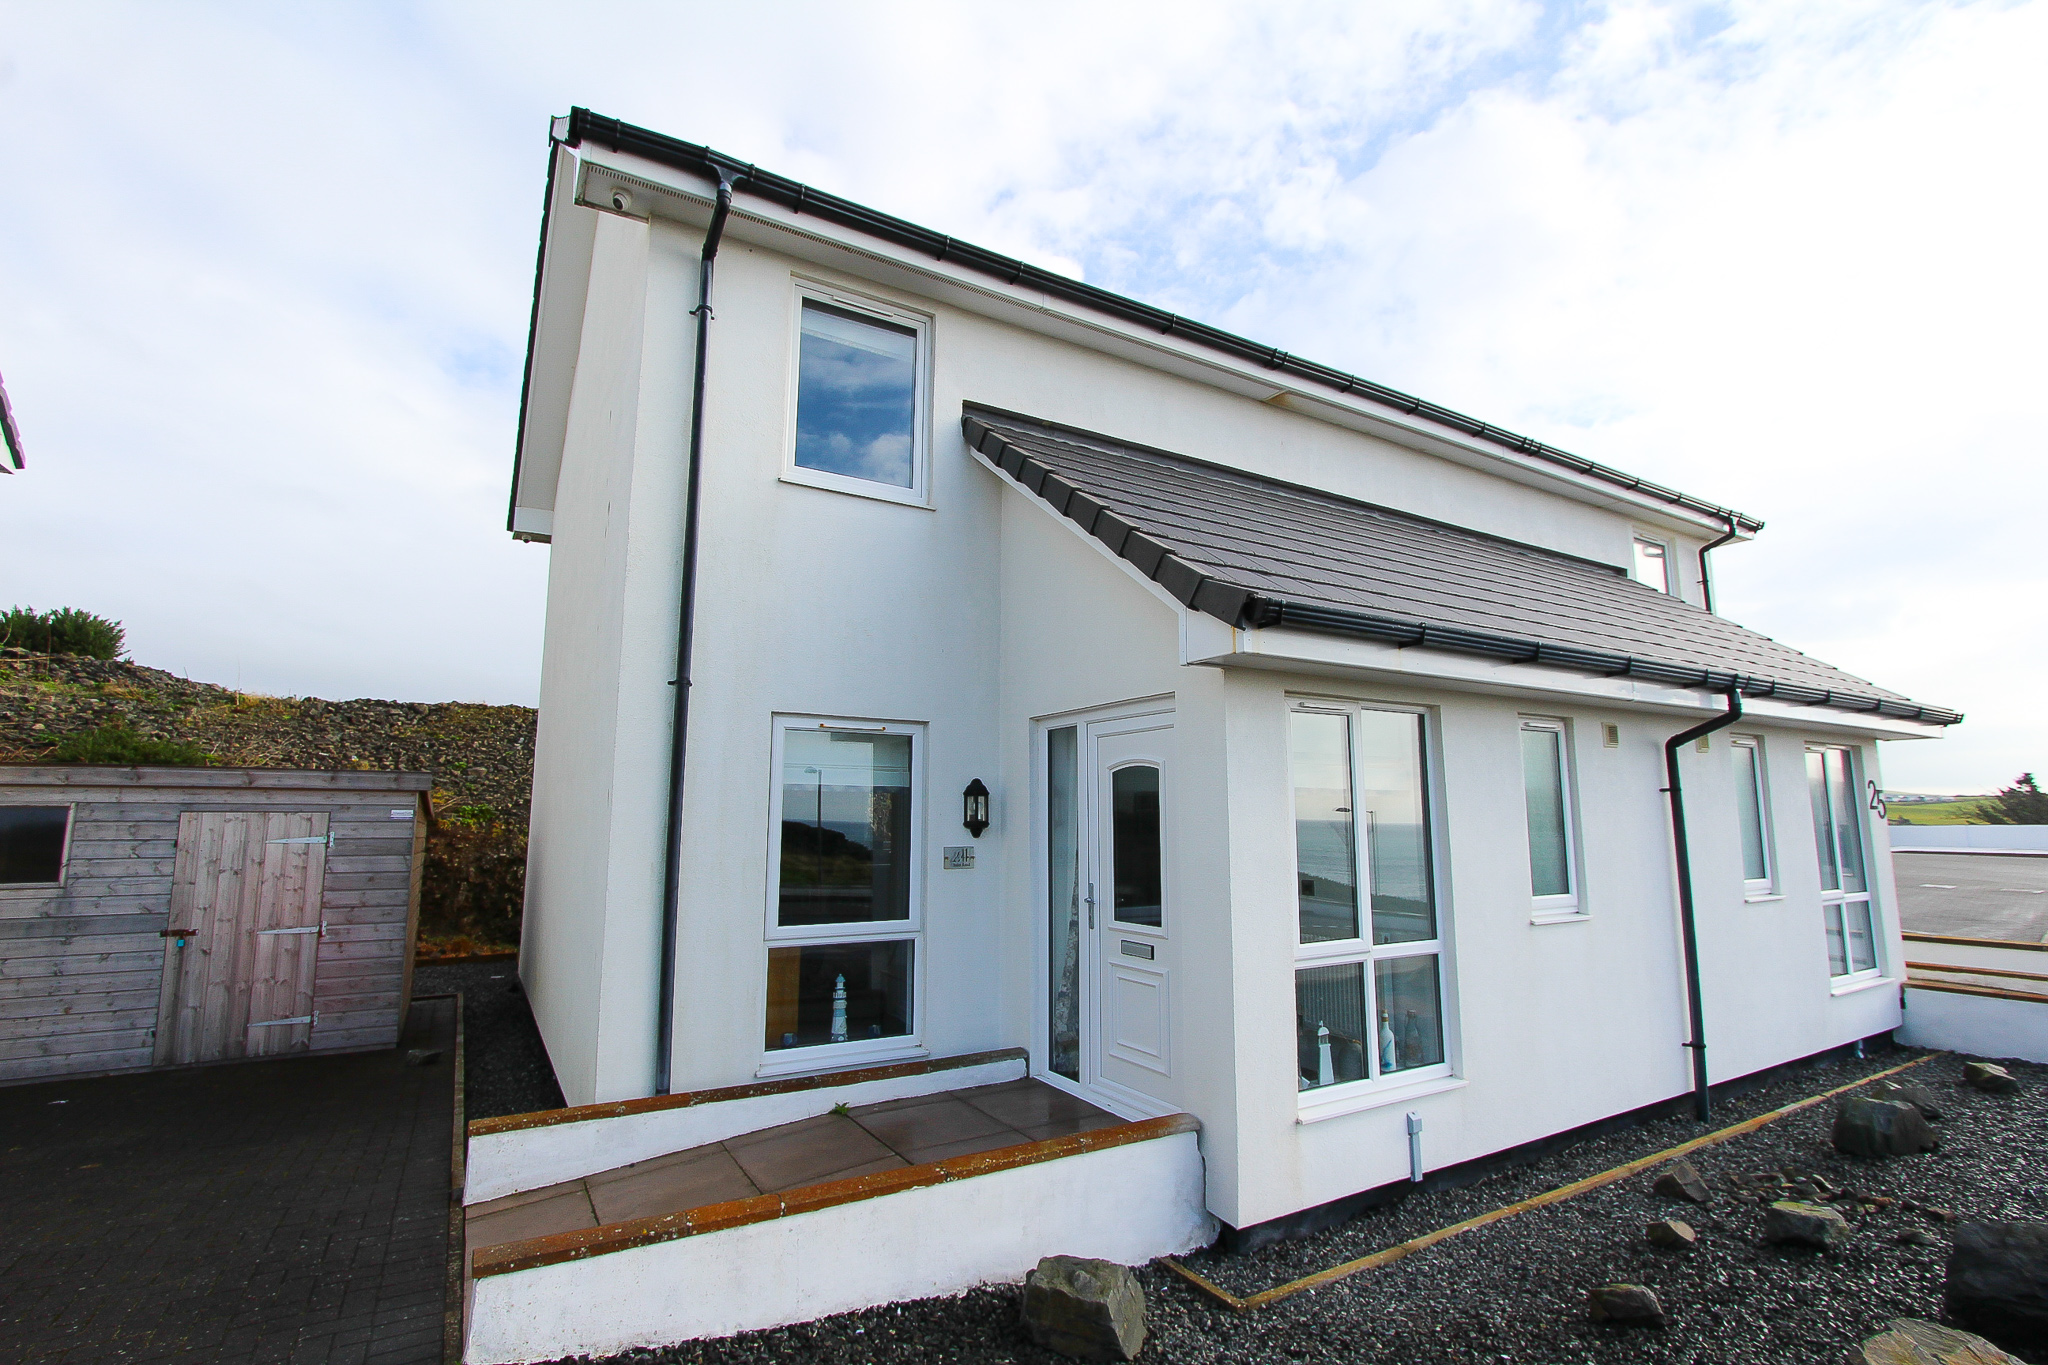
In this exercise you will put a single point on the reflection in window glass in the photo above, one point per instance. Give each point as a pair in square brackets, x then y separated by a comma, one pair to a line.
[1543, 786]
[1749, 811]
[1823, 823]
[1838, 950]
[856, 401]
[1329, 1025]
[1397, 826]
[1134, 844]
[1411, 1029]
[845, 828]
[1848, 819]
[1063, 1007]
[838, 993]
[1652, 565]
[32, 844]
[1862, 947]
[1325, 856]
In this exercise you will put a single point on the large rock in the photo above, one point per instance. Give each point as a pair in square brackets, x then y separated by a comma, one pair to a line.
[1625, 1305]
[1910, 1341]
[1986, 1076]
[1880, 1128]
[1091, 1310]
[1919, 1096]
[1998, 1282]
[1681, 1180]
[1792, 1223]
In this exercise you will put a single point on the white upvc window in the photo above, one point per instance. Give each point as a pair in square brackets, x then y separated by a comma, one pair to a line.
[1369, 990]
[1847, 911]
[1554, 890]
[35, 844]
[1753, 817]
[860, 397]
[1651, 564]
[845, 894]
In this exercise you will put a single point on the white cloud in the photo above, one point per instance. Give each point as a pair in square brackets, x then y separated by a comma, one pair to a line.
[263, 286]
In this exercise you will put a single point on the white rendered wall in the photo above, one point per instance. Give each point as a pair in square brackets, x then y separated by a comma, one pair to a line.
[1126, 1204]
[1977, 1025]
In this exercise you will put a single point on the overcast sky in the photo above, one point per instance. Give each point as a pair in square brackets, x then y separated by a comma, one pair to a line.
[265, 273]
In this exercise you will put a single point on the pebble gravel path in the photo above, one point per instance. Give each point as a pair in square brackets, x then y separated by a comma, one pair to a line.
[1515, 1291]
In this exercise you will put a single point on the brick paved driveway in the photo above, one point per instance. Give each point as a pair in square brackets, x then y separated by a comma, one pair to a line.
[292, 1210]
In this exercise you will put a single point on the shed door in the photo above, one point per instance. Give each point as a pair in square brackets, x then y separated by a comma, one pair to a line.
[243, 937]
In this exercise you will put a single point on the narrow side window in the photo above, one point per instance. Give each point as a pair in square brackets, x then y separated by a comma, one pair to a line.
[1753, 816]
[1546, 791]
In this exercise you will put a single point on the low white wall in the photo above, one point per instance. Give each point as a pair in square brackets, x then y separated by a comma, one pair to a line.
[2018, 838]
[1126, 1204]
[1980, 1025]
[528, 1158]
[2010, 957]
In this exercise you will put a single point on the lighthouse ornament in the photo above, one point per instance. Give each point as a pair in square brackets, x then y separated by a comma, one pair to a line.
[839, 1009]
[1326, 1073]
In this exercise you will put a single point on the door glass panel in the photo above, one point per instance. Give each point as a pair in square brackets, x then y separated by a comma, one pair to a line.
[32, 844]
[1823, 826]
[1134, 844]
[1848, 812]
[856, 397]
[838, 993]
[1411, 1029]
[1749, 812]
[1862, 944]
[1325, 851]
[1329, 1025]
[845, 828]
[1063, 851]
[1838, 953]
[1397, 826]
[1543, 784]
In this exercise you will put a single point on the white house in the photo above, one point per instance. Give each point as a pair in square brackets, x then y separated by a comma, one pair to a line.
[1323, 730]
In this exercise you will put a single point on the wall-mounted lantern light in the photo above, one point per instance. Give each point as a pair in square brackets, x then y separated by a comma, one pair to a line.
[974, 808]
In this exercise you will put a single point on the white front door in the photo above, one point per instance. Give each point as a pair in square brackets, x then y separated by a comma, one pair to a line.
[1131, 909]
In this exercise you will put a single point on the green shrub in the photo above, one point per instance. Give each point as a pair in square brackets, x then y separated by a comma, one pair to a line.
[472, 815]
[121, 745]
[64, 631]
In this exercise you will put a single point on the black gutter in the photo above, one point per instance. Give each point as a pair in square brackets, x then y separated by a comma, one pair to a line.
[686, 630]
[1242, 607]
[1706, 580]
[1703, 1102]
[801, 198]
[540, 265]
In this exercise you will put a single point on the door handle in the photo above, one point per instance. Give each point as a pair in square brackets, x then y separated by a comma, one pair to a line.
[1091, 905]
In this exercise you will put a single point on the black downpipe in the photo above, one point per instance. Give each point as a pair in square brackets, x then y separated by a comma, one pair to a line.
[1697, 1020]
[686, 627]
[1706, 581]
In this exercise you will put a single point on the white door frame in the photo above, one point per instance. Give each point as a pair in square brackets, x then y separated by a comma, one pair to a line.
[1089, 725]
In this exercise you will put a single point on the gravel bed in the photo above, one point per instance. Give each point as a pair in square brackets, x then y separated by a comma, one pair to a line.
[1514, 1291]
[505, 1067]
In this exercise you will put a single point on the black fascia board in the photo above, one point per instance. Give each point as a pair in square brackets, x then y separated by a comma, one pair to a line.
[1247, 609]
[802, 199]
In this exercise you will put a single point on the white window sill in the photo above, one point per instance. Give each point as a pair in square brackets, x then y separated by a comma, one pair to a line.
[1866, 983]
[1379, 1097]
[1559, 917]
[818, 1061]
[1763, 898]
[857, 488]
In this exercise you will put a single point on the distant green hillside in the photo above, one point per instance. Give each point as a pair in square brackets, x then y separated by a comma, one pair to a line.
[1938, 812]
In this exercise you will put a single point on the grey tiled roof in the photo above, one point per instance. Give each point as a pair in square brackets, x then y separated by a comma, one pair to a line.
[1256, 552]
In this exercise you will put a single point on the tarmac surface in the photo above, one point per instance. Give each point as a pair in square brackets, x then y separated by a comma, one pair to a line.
[294, 1210]
[1973, 895]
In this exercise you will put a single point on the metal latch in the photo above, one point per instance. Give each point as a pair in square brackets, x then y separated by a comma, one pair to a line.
[327, 839]
[312, 1018]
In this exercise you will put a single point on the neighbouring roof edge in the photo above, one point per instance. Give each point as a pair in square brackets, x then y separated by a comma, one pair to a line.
[802, 199]
[10, 435]
[1243, 608]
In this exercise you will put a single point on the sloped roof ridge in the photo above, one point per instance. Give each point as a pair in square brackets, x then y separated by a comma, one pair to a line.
[1200, 574]
[803, 199]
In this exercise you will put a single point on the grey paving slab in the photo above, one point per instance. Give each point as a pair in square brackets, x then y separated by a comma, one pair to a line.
[280, 1211]
[1973, 895]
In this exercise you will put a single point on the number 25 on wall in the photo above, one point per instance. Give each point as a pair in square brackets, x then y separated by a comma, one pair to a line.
[1876, 797]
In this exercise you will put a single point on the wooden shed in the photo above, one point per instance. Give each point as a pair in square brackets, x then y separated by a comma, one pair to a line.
[168, 916]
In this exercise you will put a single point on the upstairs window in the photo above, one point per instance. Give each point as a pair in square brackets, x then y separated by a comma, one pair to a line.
[32, 840]
[859, 399]
[1652, 564]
